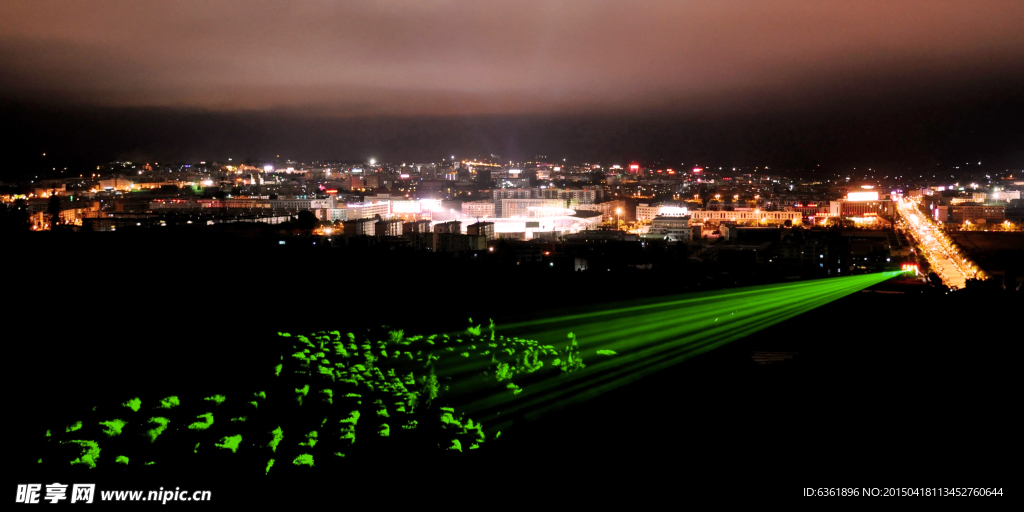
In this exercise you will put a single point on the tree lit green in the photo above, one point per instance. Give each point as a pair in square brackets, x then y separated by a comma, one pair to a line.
[134, 404]
[202, 425]
[218, 399]
[113, 427]
[230, 443]
[161, 426]
[278, 436]
[90, 452]
[311, 439]
[169, 402]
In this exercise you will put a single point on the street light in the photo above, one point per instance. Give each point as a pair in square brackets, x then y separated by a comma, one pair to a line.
[618, 214]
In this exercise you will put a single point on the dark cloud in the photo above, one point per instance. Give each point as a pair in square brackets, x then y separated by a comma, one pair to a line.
[499, 57]
[792, 80]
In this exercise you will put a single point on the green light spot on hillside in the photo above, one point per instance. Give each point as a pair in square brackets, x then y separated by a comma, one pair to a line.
[134, 404]
[203, 425]
[218, 399]
[90, 453]
[170, 402]
[311, 439]
[113, 427]
[230, 443]
[161, 426]
[278, 436]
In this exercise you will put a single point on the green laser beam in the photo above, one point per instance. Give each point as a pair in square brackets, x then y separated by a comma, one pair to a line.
[652, 337]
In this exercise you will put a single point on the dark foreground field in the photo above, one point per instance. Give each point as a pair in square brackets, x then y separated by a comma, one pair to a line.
[872, 390]
[994, 252]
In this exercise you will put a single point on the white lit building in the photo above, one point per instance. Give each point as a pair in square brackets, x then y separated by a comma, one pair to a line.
[482, 209]
[369, 210]
[647, 213]
[300, 204]
[747, 216]
[533, 208]
[671, 228]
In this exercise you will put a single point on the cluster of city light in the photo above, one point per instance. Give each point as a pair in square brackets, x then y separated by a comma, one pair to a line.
[946, 260]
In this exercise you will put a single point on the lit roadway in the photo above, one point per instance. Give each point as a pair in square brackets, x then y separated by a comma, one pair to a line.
[952, 267]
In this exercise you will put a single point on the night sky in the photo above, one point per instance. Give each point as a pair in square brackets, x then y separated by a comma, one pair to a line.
[784, 83]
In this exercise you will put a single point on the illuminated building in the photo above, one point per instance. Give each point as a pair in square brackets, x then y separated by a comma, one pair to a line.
[391, 227]
[116, 184]
[240, 203]
[366, 227]
[419, 226]
[863, 207]
[647, 213]
[478, 209]
[508, 193]
[453, 226]
[331, 214]
[977, 213]
[369, 210]
[485, 229]
[296, 205]
[533, 207]
[671, 228]
[607, 208]
[812, 209]
[747, 216]
[573, 197]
